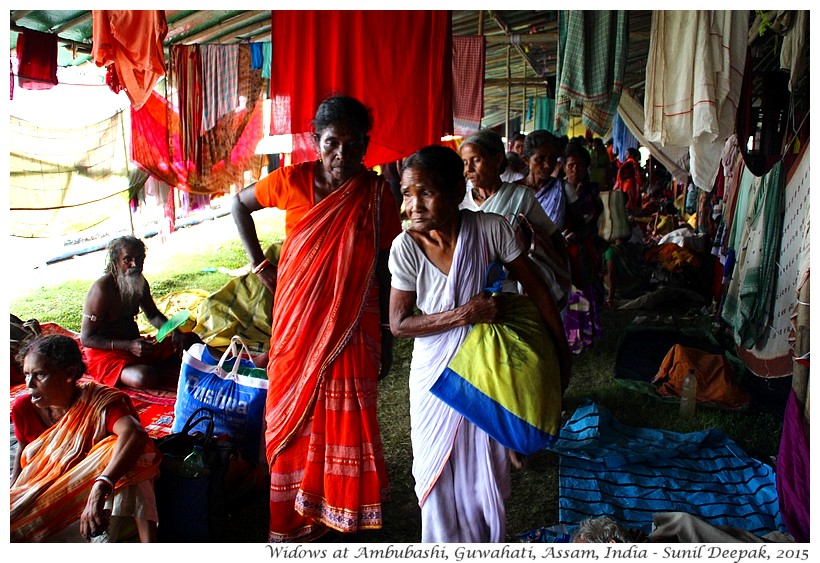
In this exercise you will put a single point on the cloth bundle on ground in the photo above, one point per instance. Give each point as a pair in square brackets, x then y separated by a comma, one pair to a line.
[242, 307]
[173, 303]
[713, 372]
[505, 379]
[641, 351]
[18, 332]
[673, 258]
[630, 473]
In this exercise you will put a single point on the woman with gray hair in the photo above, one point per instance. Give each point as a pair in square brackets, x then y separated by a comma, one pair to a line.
[484, 161]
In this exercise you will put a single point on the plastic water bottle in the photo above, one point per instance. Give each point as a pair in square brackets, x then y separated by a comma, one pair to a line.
[689, 395]
[194, 463]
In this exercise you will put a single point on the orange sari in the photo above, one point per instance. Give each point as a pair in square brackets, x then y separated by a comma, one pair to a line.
[322, 438]
[59, 467]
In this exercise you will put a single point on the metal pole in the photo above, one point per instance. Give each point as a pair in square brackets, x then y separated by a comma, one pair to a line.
[524, 100]
[481, 34]
[507, 121]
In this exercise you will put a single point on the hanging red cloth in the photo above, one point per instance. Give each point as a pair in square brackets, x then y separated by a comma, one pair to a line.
[131, 40]
[405, 79]
[37, 56]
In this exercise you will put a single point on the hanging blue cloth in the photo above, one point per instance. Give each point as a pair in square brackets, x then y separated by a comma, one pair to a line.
[622, 137]
[256, 56]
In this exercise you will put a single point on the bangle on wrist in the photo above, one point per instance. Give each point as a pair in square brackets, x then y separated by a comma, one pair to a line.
[385, 326]
[107, 480]
[261, 266]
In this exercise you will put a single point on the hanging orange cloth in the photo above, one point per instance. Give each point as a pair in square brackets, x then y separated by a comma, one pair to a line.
[131, 40]
[323, 443]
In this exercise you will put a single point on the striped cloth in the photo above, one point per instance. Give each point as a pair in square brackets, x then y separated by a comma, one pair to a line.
[750, 297]
[468, 82]
[592, 54]
[220, 93]
[629, 473]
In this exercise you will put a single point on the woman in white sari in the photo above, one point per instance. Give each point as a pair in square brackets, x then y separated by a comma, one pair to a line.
[438, 269]
[484, 162]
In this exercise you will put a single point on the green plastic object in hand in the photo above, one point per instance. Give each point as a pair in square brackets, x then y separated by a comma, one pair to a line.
[172, 324]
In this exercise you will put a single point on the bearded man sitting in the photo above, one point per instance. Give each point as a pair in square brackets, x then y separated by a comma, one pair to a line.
[114, 348]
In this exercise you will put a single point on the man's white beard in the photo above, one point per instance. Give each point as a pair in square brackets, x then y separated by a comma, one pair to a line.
[131, 285]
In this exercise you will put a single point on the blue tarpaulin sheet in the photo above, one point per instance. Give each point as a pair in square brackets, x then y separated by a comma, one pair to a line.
[629, 473]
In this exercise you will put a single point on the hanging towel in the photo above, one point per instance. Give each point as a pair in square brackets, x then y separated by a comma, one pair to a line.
[631, 114]
[750, 296]
[37, 56]
[219, 82]
[468, 83]
[622, 137]
[256, 56]
[545, 113]
[266, 59]
[793, 472]
[187, 68]
[592, 53]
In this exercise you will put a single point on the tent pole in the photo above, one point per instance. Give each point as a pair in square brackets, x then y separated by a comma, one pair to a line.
[509, 87]
[524, 101]
[481, 34]
[125, 149]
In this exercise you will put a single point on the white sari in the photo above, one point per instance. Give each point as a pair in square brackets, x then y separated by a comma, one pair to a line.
[462, 475]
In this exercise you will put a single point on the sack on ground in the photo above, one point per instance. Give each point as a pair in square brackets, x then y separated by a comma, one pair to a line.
[231, 386]
[506, 379]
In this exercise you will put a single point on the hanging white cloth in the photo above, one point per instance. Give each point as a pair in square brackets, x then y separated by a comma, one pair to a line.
[693, 77]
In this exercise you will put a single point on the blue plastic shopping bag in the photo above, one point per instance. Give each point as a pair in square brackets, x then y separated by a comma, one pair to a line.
[230, 386]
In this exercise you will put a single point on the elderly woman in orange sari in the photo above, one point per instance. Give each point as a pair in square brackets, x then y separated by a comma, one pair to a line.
[330, 339]
[84, 463]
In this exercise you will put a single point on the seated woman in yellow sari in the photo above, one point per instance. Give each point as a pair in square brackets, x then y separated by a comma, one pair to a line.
[330, 340]
[84, 463]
